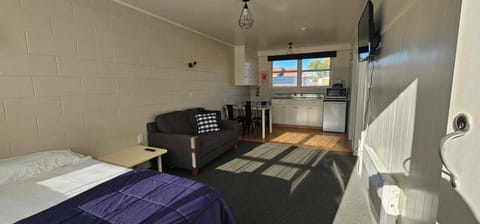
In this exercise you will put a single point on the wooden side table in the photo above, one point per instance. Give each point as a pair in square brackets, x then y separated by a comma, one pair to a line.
[134, 156]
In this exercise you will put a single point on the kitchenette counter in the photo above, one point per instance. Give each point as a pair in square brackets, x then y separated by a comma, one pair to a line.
[310, 111]
[311, 98]
[296, 96]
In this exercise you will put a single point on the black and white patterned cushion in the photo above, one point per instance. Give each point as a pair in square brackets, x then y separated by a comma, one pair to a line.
[207, 123]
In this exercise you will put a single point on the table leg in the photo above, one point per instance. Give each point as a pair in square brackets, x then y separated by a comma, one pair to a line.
[270, 119]
[263, 123]
[159, 162]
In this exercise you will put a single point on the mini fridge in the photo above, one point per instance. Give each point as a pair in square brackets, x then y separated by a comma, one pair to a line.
[334, 115]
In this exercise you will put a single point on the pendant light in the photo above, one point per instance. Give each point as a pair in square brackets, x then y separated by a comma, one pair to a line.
[290, 48]
[246, 18]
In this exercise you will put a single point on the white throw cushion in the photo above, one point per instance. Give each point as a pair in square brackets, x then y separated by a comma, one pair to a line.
[23, 167]
[207, 123]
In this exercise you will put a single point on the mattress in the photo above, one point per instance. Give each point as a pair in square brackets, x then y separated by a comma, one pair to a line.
[141, 196]
[28, 197]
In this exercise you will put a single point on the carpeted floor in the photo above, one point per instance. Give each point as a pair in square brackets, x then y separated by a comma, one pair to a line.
[274, 183]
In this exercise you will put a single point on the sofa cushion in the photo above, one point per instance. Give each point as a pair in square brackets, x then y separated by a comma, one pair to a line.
[214, 140]
[207, 123]
[219, 116]
[175, 122]
[191, 117]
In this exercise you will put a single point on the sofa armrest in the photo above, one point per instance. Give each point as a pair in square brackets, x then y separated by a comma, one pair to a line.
[229, 124]
[181, 148]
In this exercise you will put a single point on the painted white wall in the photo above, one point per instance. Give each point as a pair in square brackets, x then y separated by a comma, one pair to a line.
[410, 97]
[462, 205]
[358, 103]
[90, 74]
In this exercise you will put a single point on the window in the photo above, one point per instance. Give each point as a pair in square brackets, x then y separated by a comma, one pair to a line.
[316, 72]
[285, 73]
[311, 72]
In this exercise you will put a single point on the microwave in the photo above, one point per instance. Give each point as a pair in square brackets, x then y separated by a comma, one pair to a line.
[337, 93]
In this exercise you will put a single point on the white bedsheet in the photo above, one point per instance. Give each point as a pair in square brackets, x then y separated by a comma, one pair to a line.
[22, 199]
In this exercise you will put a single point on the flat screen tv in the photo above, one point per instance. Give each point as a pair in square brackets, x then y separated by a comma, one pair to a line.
[367, 42]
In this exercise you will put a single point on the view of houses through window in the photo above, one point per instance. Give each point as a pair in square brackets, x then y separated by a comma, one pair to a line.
[309, 72]
[285, 73]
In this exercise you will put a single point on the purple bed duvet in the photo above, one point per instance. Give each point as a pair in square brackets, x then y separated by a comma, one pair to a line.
[141, 196]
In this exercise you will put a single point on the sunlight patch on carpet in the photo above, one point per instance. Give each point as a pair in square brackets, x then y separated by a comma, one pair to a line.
[267, 159]
[267, 151]
[302, 156]
[240, 166]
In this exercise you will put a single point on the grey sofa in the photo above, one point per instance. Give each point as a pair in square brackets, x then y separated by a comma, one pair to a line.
[177, 132]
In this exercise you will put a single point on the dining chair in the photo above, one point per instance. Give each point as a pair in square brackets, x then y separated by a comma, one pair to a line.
[233, 113]
[252, 121]
[229, 111]
[259, 114]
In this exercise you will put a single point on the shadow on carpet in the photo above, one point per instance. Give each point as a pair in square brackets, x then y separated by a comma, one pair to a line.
[275, 183]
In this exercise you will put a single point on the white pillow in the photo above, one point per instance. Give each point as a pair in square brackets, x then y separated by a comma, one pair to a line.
[23, 167]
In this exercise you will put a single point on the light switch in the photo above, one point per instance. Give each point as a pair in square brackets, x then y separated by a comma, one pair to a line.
[140, 139]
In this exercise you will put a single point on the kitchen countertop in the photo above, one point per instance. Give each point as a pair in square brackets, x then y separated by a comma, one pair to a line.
[297, 98]
[312, 98]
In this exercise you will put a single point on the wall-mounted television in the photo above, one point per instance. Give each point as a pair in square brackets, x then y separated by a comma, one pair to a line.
[368, 41]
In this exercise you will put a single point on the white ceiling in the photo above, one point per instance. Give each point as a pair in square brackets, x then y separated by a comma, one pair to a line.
[277, 22]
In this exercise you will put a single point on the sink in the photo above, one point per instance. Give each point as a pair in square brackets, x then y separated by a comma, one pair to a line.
[296, 96]
[306, 98]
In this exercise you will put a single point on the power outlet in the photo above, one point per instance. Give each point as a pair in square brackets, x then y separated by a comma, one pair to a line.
[140, 139]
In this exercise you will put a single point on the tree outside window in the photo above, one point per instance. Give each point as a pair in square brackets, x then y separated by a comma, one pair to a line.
[316, 72]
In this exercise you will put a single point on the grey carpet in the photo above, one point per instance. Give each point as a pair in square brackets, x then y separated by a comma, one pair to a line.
[273, 183]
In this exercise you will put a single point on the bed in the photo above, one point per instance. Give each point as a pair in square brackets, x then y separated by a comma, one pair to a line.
[49, 189]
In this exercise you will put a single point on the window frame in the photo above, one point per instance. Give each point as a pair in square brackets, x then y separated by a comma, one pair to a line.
[300, 72]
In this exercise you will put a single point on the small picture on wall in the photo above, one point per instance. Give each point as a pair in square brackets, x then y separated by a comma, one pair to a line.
[263, 77]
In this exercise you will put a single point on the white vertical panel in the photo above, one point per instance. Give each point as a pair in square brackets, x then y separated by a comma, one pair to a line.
[463, 203]
[410, 96]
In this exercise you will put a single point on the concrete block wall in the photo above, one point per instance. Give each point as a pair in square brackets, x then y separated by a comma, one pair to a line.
[89, 74]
